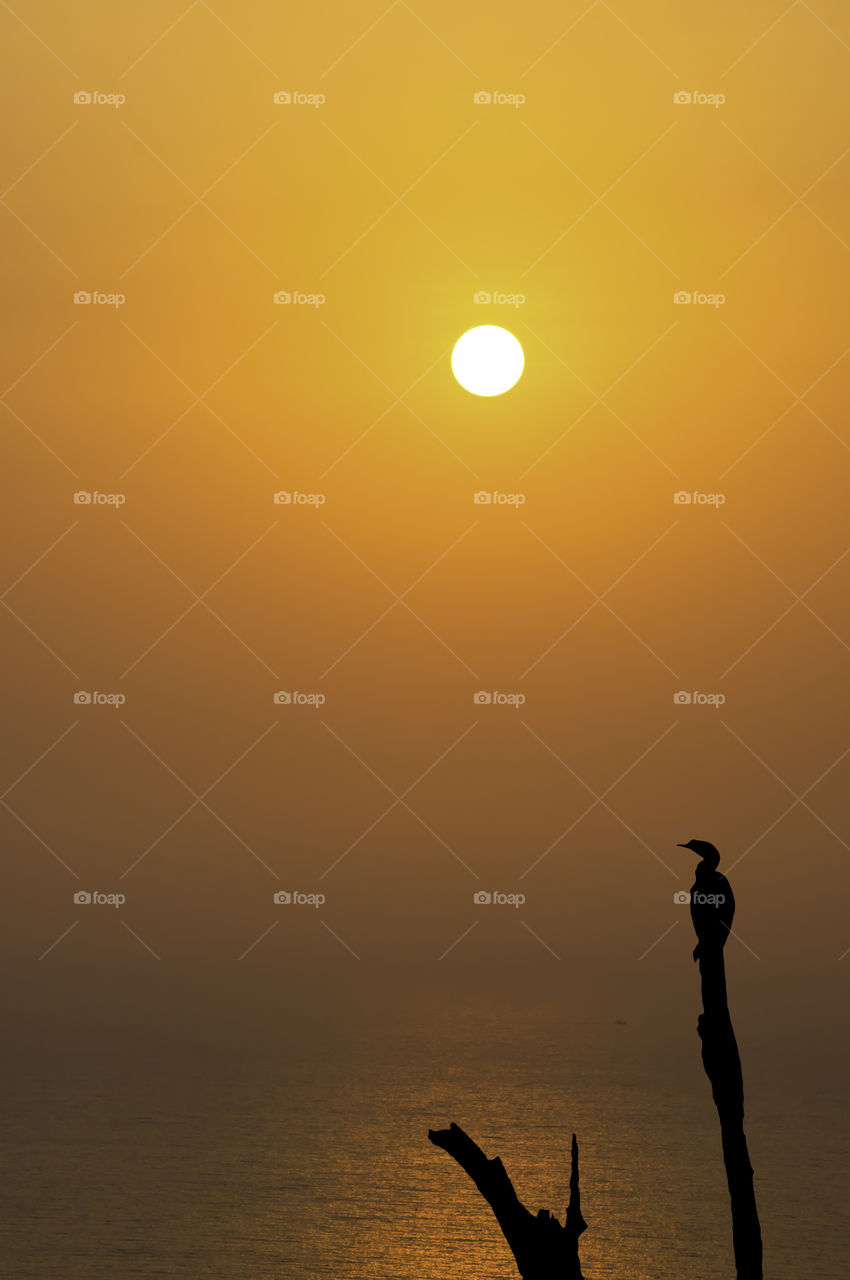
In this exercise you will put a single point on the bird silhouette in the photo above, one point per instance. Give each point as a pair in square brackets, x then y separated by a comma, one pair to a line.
[712, 900]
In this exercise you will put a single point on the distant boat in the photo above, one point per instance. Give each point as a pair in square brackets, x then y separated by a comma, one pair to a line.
[620, 1022]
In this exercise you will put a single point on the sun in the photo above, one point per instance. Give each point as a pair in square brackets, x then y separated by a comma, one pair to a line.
[487, 360]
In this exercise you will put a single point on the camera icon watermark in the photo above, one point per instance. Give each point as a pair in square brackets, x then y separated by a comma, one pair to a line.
[94, 498]
[685, 699]
[297, 298]
[83, 898]
[696, 298]
[698, 99]
[97, 298]
[494, 497]
[488, 698]
[285, 498]
[287, 698]
[295, 898]
[483, 299]
[98, 99]
[84, 698]
[498, 99]
[297, 98]
[681, 898]
[685, 498]
[483, 898]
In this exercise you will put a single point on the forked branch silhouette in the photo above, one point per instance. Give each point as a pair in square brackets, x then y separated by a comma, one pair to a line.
[546, 1249]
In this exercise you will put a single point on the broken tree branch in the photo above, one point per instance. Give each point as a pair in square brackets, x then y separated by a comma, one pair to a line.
[544, 1248]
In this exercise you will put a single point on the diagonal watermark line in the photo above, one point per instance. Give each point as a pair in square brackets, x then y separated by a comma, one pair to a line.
[199, 799]
[600, 399]
[38, 359]
[660, 938]
[797, 798]
[439, 39]
[600, 600]
[238, 38]
[37, 837]
[40, 240]
[399, 199]
[399, 599]
[825, 25]
[381, 416]
[200, 199]
[39, 559]
[598, 799]
[596, 401]
[200, 599]
[399, 399]
[457, 940]
[264, 934]
[633, 33]
[539, 939]
[199, 399]
[38, 159]
[598, 200]
[340, 940]
[141, 940]
[798, 200]
[800, 399]
[558, 40]
[797, 600]
[356, 42]
[43, 43]
[38, 759]
[160, 38]
[37, 637]
[37, 437]
[399, 799]
[59, 939]
[759, 39]
[783, 383]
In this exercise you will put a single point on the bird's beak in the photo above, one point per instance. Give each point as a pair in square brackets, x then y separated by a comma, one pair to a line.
[683, 846]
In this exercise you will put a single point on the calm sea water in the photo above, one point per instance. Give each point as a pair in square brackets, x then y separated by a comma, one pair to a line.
[304, 1154]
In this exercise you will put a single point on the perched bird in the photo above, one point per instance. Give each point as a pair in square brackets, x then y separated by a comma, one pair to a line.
[712, 900]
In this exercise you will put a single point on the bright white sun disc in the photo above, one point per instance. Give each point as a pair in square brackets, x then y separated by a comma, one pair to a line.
[487, 360]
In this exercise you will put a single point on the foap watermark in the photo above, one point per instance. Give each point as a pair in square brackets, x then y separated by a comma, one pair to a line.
[686, 497]
[296, 698]
[94, 498]
[295, 898]
[696, 298]
[82, 98]
[484, 898]
[298, 98]
[94, 698]
[283, 498]
[488, 497]
[97, 298]
[697, 98]
[498, 99]
[84, 898]
[496, 299]
[297, 298]
[493, 698]
[682, 898]
[696, 699]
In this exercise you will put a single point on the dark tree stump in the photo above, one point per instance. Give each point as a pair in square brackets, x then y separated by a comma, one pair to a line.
[544, 1248]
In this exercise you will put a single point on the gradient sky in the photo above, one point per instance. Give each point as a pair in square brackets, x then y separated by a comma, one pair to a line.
[396, 199]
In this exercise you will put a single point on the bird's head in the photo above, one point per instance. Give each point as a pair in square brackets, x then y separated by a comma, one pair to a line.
[703, 850]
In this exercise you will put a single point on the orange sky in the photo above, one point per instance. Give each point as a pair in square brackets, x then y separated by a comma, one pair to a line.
[391, 204]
